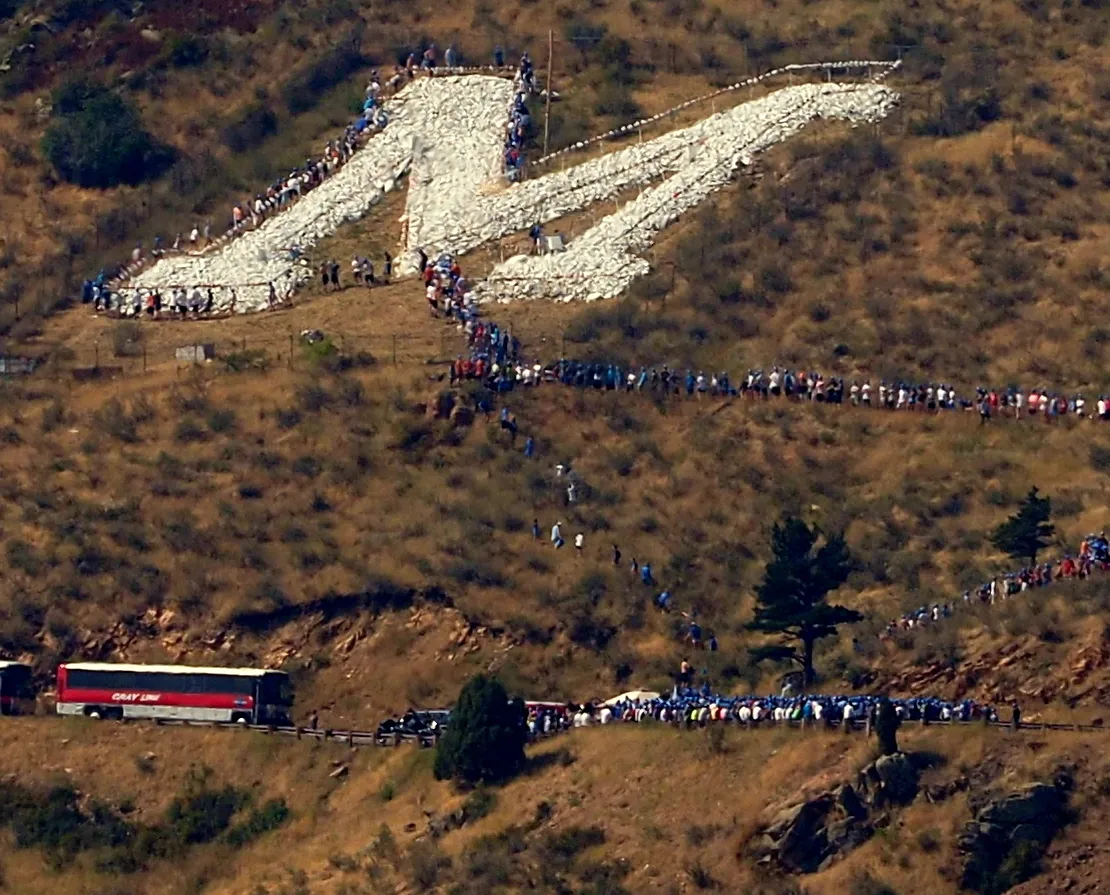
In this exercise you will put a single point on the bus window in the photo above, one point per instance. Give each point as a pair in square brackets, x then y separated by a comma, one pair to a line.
[275, 689]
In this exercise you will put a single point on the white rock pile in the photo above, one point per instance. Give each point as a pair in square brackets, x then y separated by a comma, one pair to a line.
[447, 134]
[457, 119]
[703, 158]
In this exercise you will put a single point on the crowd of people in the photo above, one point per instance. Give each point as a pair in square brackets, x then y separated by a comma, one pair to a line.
[1093, 555]
[519, 128]
[698, 708]
[688, 708]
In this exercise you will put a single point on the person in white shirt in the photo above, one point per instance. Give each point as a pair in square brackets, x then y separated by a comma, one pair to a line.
[579, 540]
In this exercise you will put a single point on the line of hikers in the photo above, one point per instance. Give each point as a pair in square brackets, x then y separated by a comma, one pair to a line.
[518, 130]
[1093, 555]
[801, 386]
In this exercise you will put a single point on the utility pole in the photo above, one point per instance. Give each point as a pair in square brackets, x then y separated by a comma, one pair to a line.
[547, 103]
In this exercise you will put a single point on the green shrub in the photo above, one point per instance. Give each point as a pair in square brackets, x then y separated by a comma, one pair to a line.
[188, 51]
[304, 89]
[485, 741]
[24, 557]
[97, 139]
[221, 421]
[113, 419]
[426, 862]
[865, 884]
[565, 845]
[269, 816]
[249, 128]
[188, 431]
[479, 803]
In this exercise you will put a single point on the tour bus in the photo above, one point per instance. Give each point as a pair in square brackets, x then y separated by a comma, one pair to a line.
[174, 692]
[17, 695]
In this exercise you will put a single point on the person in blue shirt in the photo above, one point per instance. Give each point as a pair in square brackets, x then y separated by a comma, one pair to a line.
[645, 573]
[529, 447]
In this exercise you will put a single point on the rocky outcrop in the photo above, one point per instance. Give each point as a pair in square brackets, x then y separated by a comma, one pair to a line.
[1009, 834]
[889, 780]
[814, 834]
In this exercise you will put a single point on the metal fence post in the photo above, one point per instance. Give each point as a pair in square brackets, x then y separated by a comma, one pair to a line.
[395, 349]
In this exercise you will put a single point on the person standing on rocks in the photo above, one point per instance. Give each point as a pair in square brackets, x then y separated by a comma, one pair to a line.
[387, 268]
[324, 275]
[333, 271]
[1015, 719]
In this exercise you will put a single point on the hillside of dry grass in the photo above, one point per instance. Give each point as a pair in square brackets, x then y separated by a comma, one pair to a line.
[276, 517]
[310, 514]
[613, 810]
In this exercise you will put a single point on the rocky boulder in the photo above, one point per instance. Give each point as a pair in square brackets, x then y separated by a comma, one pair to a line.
[1009, 834]
[889, 780]
[810, 836]
[1032, 804]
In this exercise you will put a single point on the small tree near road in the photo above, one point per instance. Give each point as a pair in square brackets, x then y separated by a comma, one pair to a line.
[1026, 533]
[484, 741]
[792, 599]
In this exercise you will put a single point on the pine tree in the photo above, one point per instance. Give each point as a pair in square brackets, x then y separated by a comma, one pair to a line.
[484, 741]
[1026, 532]
[792, 597]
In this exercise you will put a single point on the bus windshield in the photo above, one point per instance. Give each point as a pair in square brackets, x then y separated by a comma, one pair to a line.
[275, 689]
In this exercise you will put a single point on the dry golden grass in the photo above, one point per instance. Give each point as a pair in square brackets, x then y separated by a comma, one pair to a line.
[977, 259]
[665, 800]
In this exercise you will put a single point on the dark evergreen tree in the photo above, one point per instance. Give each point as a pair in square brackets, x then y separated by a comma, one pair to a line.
[1026, 533]
[97, 139]
[792, 598]
[484, 741]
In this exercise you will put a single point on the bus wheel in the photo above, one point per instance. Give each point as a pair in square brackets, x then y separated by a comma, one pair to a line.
[94, 714]
[240, 719]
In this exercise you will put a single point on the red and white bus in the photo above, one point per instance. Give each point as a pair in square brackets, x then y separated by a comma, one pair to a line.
[174, 692]
[17, 695]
